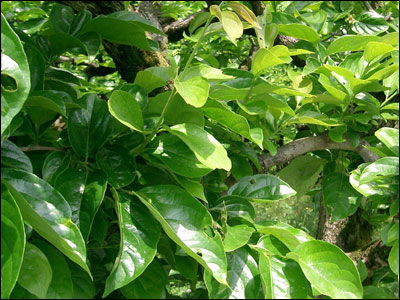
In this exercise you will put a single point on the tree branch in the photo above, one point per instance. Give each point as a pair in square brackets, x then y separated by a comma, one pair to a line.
[40, 148]
[313, 143]
[180, 25]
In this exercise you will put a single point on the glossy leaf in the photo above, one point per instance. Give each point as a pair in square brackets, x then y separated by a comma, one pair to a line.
[185, 220]
[54, 164]
[61, 286]
[83, 284]
[118, 165]
[375, 49]
[383, 167]
[84, 192]
[177, 111]
[12, 242]
[341, 279]
[240, 166]
[36, 274]
[370, 23]
[204, 146]
[302, 173]
[88, 129]
[299, 31]
[282, 278]
[124, 107]
[150, 285]
[340, 199]
[222, 114]
[236, 207]
[243, 278]
[193, 186]
[237, 236]
[350, 43]
[47, 212]
[270, 245]
[193, 90]
[61, 17]
[288, 235]
[12, 156]
[138, 243]
[261, 187]
[390, 138]
[177, 156]
[153, 77]
[394, 258]
[15, 76]
[245, 13]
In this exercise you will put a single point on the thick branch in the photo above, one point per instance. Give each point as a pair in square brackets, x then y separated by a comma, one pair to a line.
[313, 143]
[179, 25]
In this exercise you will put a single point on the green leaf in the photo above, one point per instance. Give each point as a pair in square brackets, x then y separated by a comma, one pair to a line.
[282, 278]
[79, 21]
[236, 207]
[336, 134]
[15, 76]
[271, 245]
[390, 138]
[88, 129]
[313, 117]
[61, 286]
[150, 285]
[383, 167]
[84, 192]
[243, 278]
[117, 30]
[261, 103]
[299, 31]
[47, 212]
[374, 292]
[193, 90]
[370, 23]
[207, 72]
[232, 25]
[393, 234]
[261, 187]
[177, 156]
[220, 113]
[186, 266]
[379, 189]
[119, 166]
[12, 242]
[362, 270]
[193, 186]
[240, 166]
[340, 199]
[245, 13]
[350, 43]
[12, 156]
[138, 243]
[237, 236]
[61, 18]
[124, 107]
[375, 49]
[287, 234]
[177, 111]
[302, 173]
[54, 164]
[204, 146]
[153, 77]
[394, 258]
[265, 58]
[35, 274]
[340, 279]
[83, 284]
[44, 103]
[185, 220]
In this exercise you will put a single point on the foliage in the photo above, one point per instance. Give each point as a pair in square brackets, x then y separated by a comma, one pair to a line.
[121, 190]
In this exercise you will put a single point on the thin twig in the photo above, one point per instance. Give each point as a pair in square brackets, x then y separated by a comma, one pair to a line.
[40, 148]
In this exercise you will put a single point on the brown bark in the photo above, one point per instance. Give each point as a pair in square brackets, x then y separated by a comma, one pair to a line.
[129, 60]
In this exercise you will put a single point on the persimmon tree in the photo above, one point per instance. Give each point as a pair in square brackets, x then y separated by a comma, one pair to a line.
[117, 190]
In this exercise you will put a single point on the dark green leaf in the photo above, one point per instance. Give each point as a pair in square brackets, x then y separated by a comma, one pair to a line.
[340, 199]
[15, 77]
[185, 220]
[12, 156]
[236, 207]
[153, 77]
[61, 286]
[54, 164]
[12, 242]
[83, 284]
[394, 258]
[262, 187]
[138, 244]
[88, 129]
[119, 166]
[61, 17]
[35, 274]
[47, 212]
[150, 285]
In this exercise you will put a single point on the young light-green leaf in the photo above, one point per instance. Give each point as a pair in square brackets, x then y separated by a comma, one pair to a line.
[193, 90]
[124, 107]
[204, 146]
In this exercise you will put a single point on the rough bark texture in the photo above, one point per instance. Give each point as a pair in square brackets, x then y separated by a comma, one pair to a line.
[313, 143]
[129, 60]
